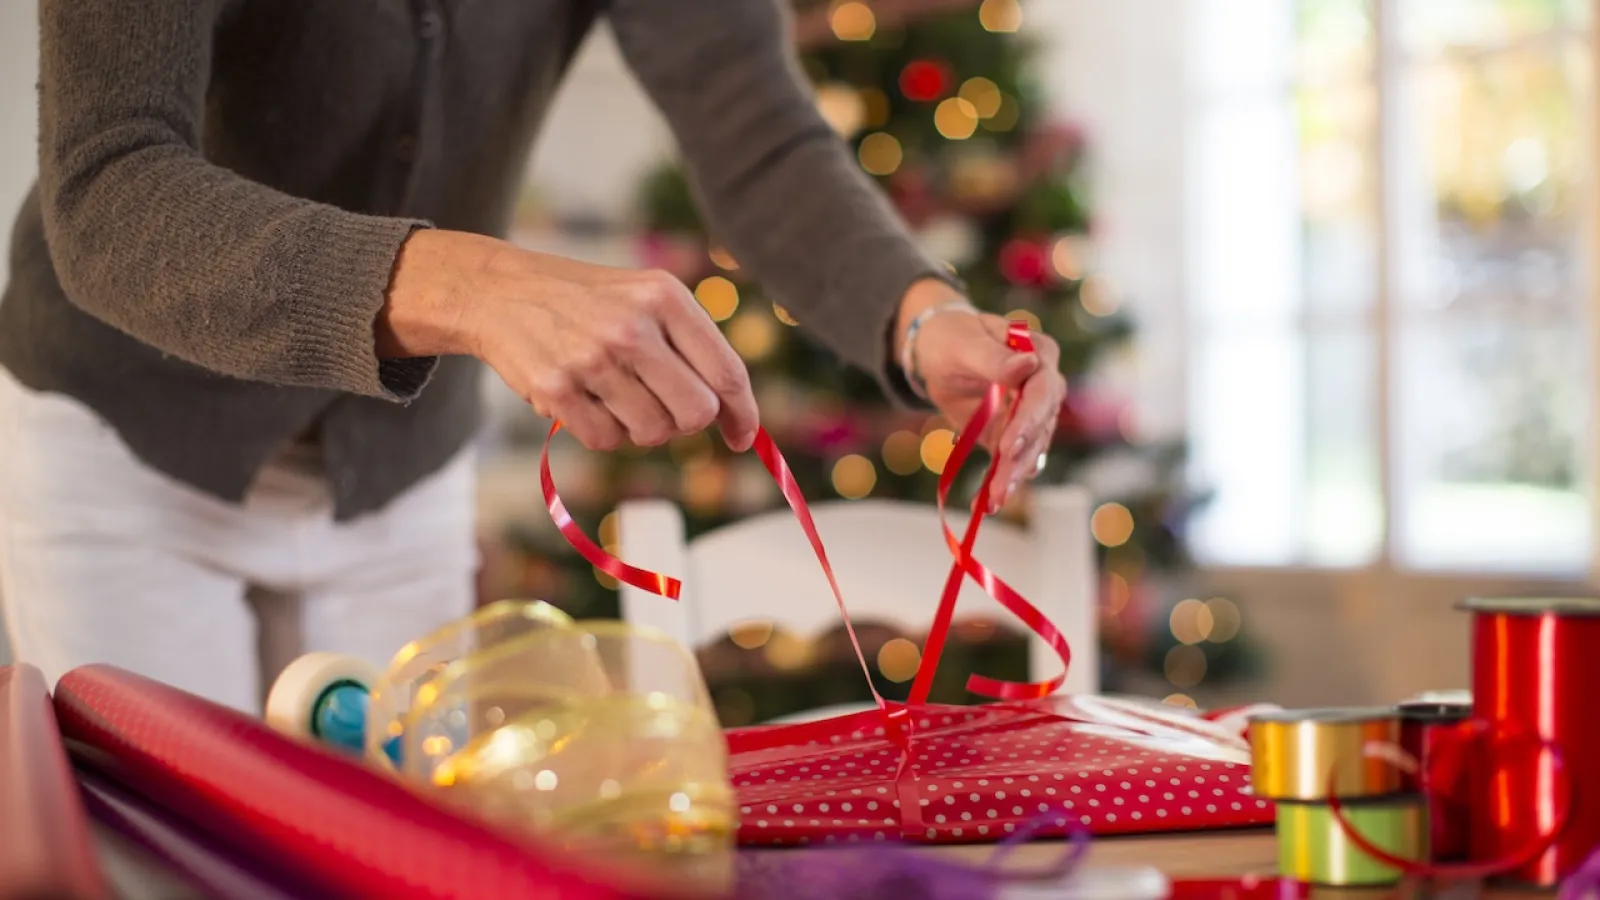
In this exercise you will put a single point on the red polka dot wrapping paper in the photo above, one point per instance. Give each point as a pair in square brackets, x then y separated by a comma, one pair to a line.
[327, 821]
[980, 773]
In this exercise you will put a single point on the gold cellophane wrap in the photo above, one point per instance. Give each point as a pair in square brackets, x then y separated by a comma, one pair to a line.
[596, 736]
[1295, 752]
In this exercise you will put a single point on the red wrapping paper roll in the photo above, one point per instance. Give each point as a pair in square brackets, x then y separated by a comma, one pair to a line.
[47, 849]
[331, 823]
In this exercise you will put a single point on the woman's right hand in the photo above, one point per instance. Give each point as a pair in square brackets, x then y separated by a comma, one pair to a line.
[615, 354]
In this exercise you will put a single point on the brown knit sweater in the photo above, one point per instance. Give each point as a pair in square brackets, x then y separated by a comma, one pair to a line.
[224, 185]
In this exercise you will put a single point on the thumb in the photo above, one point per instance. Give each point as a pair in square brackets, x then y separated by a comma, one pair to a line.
[993, 361]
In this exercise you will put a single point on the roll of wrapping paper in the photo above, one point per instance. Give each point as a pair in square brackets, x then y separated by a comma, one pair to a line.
[1314, 849]
[327, 822]
[186, 855]
[47, 850]
[1535, 668]
[1430, 734]
[1293, 751]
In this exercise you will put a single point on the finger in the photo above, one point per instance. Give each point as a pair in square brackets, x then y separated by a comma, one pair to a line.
[994, 361]
[688, 400]
[631, 403]
[590, 422]
[698, 341]
[1029, 433]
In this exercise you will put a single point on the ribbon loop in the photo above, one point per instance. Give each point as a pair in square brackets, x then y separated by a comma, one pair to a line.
[897, 720]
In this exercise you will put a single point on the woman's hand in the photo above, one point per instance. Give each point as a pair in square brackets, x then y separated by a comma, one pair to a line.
[959, 352]
[614, 354]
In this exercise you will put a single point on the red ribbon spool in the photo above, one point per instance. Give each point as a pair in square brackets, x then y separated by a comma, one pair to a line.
[1429, 734]
[1535, 670]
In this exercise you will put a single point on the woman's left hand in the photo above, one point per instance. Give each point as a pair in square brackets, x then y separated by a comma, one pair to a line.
[959, 353]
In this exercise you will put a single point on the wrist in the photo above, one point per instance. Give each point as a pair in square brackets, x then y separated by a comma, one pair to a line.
[923, 296]
[427, 311]
[922, 302]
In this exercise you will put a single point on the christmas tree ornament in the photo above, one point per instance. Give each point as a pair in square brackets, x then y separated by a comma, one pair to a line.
[925, 80]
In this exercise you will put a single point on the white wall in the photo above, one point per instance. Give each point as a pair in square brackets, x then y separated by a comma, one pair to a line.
[19, 106]
[1117, 69]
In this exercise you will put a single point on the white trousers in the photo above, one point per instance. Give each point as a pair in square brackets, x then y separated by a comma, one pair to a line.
[103, 559]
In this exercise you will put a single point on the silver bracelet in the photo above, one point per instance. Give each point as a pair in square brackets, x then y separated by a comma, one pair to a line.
[908, 349]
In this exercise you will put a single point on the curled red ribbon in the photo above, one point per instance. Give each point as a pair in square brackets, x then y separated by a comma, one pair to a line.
[1466, 733]
[897, 718]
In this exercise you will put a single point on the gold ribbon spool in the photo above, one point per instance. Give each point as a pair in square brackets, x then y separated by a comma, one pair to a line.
[1293, 753]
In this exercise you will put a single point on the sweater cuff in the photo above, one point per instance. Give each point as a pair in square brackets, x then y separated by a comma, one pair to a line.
[880, 284]
[342, 292]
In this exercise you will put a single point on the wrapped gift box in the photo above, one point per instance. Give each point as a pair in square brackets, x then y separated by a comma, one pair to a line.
[980, 773]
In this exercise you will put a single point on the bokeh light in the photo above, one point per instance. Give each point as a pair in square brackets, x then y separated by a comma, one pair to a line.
[705, 485]
[874, 108]
[753, 336]
[936, 447]
[1191, 621]
[852, 20]
[1097, 297]
[898, 660]
[1005, 118]
[1185, 666]
[610, 531]
[1066, 260]
[751, 635]
[785, 651]
[854, 476]
[1183, 700]
[1027, 318]
[783, 316]
[1118, 593]
[983, 94]
[842, 108]
[719, 296]
[880, 153]
[724, 260]
[1003, 16]
[955, 118]
[1111, 524]
[1225, 619]
[902, 452]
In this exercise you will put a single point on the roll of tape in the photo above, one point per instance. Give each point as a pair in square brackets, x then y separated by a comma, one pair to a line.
[1294, 752]
[1313, 848]
[297, 694]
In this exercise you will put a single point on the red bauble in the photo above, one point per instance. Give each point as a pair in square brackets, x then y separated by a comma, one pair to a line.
[1025, 262]
[925, 80]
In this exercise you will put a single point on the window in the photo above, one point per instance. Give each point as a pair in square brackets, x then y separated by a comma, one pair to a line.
[1388, 285]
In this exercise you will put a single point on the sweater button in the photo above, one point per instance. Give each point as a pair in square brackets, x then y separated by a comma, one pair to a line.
[429, 25]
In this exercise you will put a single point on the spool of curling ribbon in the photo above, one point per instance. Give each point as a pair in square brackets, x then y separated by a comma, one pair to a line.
[1506, 778]
[598, 737]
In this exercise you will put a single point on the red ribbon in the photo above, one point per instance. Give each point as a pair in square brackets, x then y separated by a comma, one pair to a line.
[1465, 739]
[896, 718]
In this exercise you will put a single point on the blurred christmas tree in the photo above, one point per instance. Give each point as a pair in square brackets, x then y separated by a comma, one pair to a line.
[936, 101]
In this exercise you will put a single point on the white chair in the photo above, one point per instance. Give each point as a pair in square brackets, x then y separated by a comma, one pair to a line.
[891, 561]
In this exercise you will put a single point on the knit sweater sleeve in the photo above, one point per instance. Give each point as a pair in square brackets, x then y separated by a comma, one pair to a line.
[778, 186]
[184, 255]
